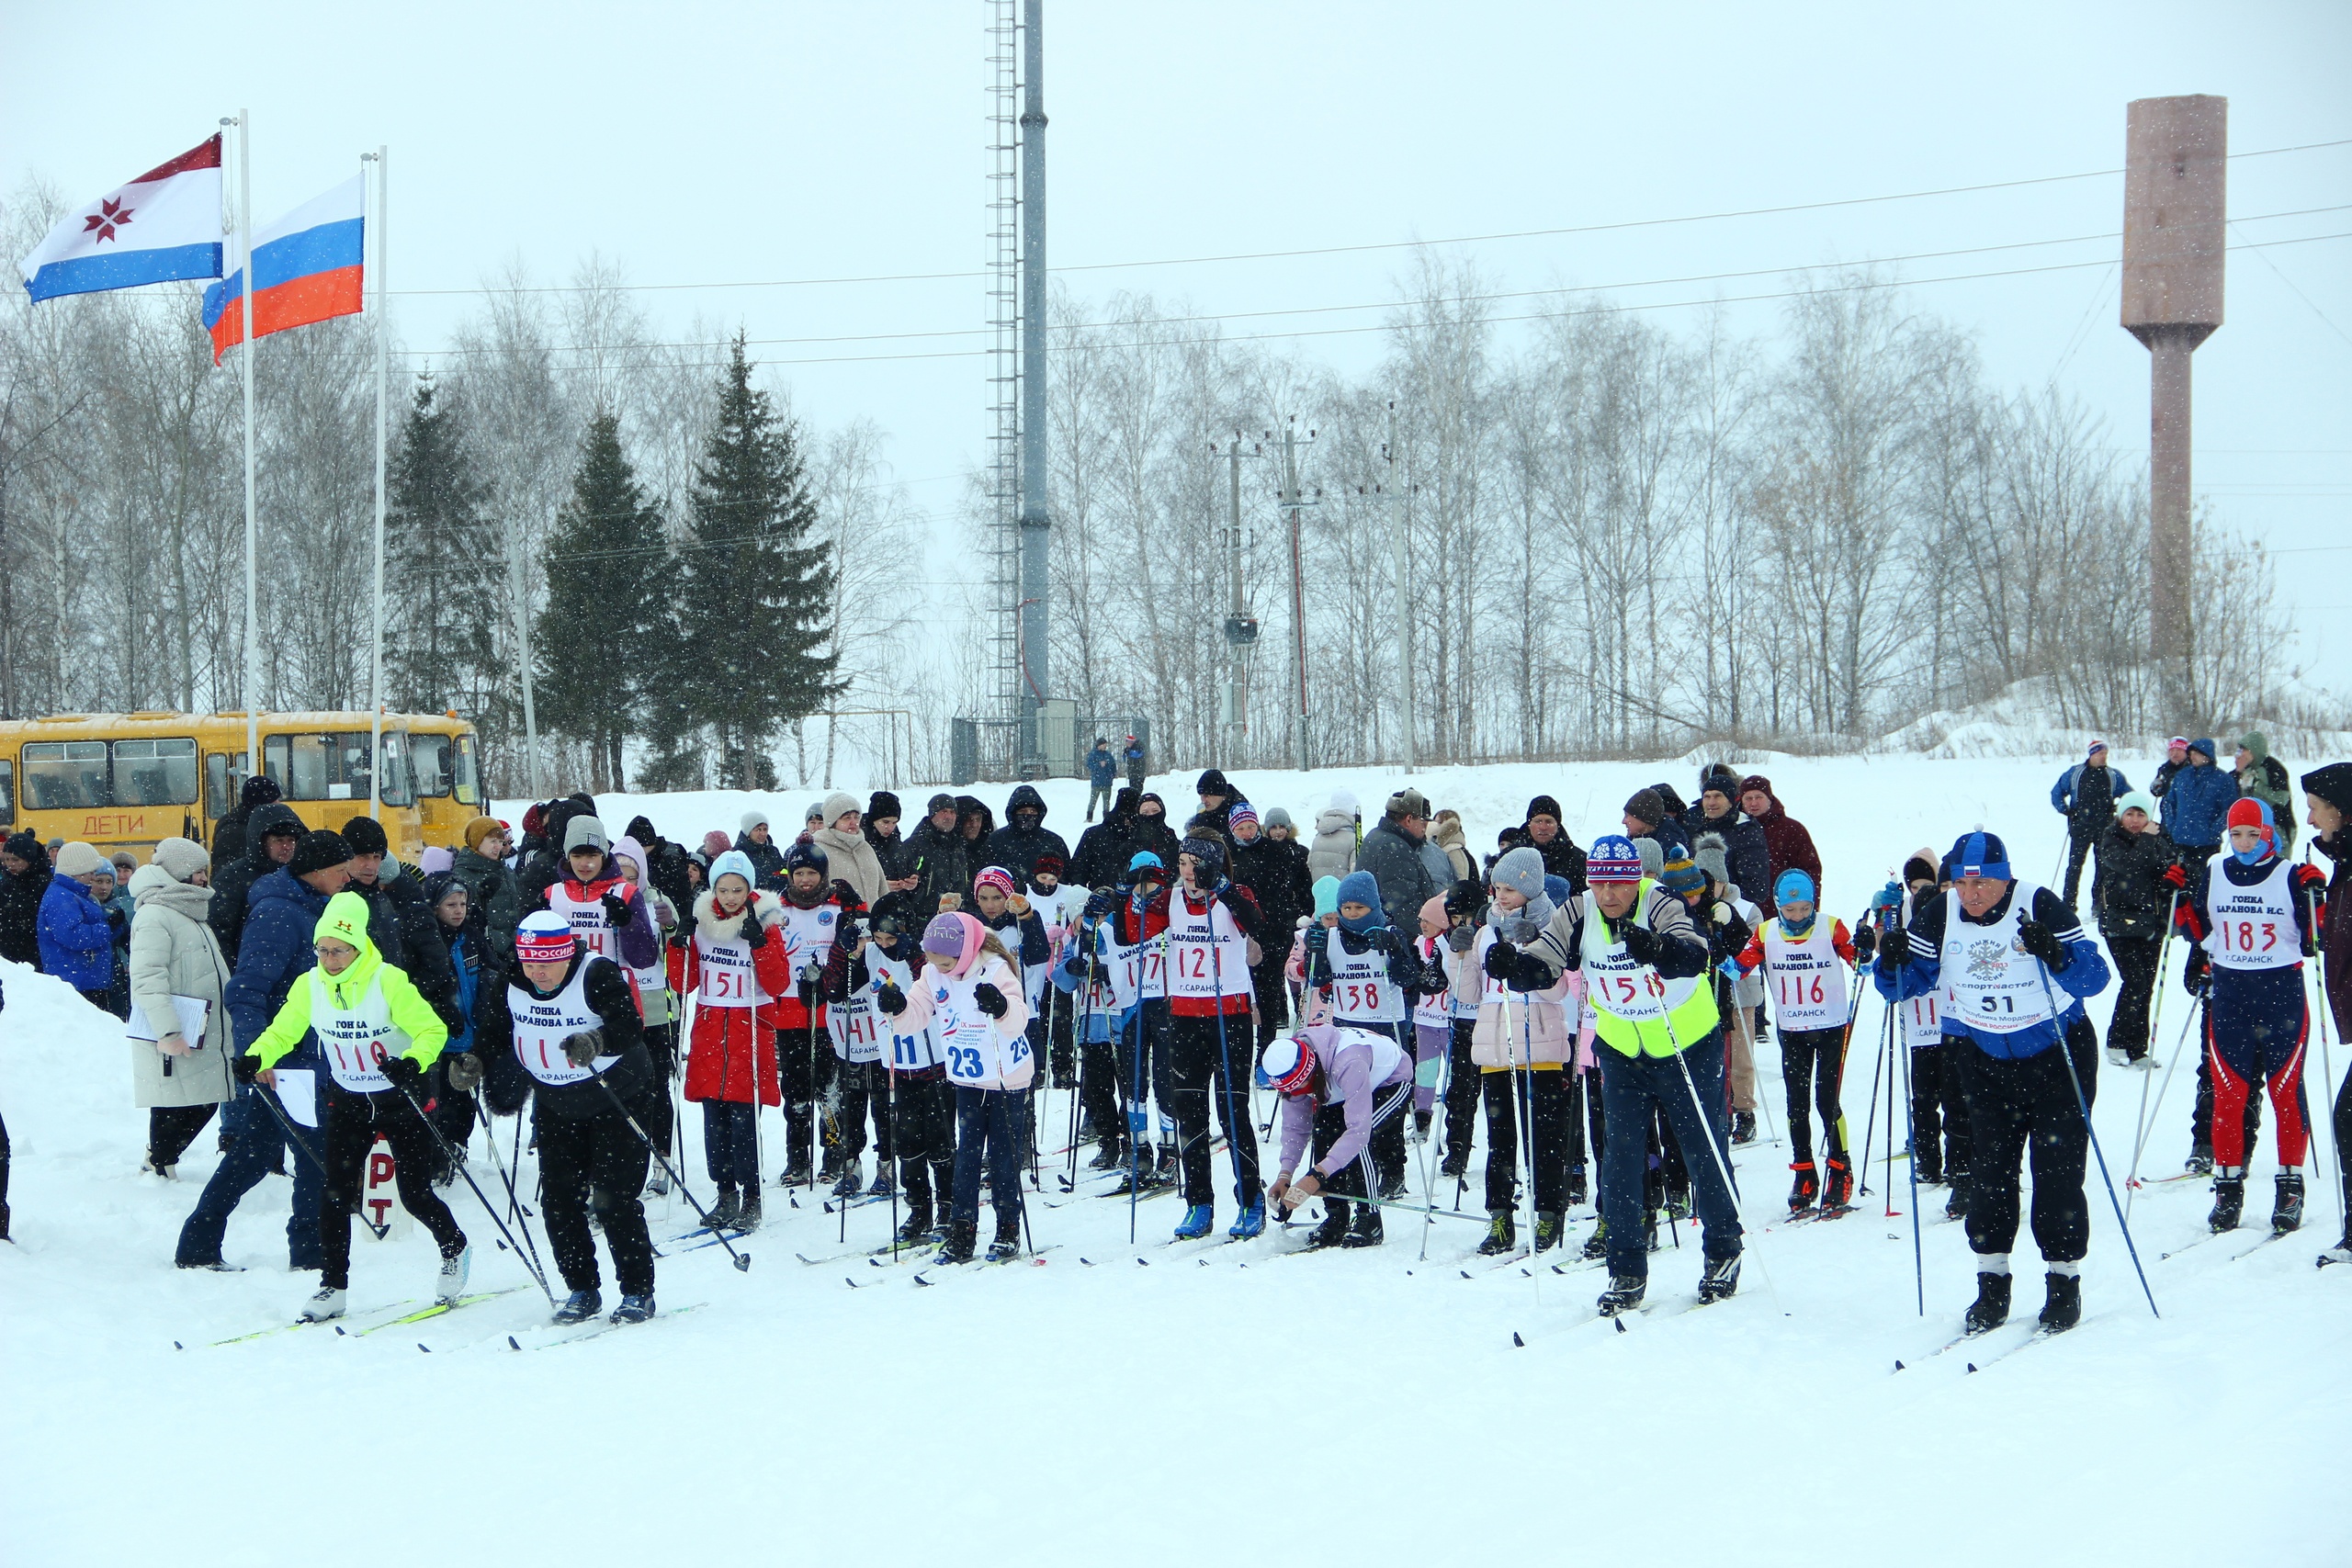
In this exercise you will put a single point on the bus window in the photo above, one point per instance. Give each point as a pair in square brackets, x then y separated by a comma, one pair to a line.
[320, 767]
[398, 788]
[464, 779]
[154, 772]
[429, 755]
[217, 790]
[7, 790]
[61, 775]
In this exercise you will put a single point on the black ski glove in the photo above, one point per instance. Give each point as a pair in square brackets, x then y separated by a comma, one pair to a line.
[247, 1069]
[2196, 975]
[1641, 943]
[465, 1072]
[1502, 961]
[991, 1000]
[1866, 943]
[812, 979]
[756, 935]
[890, 999]
[616, 911]
[406, 1076]
[2043, 943]
[584, 1048]
[1893, 950]
[1099, 908]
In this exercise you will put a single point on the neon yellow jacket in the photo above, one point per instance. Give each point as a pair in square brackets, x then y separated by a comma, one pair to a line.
[345, 919]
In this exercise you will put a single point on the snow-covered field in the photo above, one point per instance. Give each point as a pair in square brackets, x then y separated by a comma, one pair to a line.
[1362, 1407]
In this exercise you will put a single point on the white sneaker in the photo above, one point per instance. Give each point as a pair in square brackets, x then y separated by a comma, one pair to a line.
[452, 1282]
[326, 1303]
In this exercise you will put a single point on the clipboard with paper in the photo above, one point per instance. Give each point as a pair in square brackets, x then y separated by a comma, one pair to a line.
[190, 1013]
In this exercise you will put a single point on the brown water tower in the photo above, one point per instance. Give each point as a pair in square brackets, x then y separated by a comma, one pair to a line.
[2174, 207]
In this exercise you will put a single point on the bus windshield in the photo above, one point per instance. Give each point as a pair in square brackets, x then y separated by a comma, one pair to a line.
[429, 755]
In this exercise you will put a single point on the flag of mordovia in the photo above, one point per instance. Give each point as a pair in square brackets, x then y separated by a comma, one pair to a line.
[163, 225]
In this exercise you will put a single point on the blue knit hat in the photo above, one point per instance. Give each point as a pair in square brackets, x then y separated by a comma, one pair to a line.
[1146, 860]
[1793, 887]
[1361, 887]
[1327, 896]
[1980, 854]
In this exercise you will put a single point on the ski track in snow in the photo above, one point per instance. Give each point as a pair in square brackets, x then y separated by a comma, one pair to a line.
[1071, 1410]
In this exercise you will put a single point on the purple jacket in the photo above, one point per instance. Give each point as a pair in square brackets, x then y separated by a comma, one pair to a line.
[1347, 1082]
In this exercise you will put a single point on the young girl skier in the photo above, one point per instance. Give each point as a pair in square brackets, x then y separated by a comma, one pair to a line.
[380, 1038]
[1339, 1085]
[735, 964]
[1805, 963]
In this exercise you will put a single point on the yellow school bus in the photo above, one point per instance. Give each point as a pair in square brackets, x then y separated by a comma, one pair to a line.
[127, 781]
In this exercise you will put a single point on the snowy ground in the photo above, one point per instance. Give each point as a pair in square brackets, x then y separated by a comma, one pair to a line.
[1084, 1409]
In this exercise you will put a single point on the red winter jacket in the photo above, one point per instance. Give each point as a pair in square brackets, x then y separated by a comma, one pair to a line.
[1785, 838]
[729, 1045]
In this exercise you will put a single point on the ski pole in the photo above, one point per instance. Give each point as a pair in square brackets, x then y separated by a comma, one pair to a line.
[2326, 1071]
[529, 1264]
[2066, 1054]
[1911, 1115]
[268, 1097]
[521, 1211]
[743, 1263]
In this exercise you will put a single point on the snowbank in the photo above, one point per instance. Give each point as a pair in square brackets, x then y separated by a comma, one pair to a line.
[1361, 1407]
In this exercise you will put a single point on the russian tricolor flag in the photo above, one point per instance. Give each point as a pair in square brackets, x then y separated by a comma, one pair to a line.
[307, 267]
[162, 226]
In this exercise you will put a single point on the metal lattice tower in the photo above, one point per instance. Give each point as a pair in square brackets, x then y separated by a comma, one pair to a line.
[1004, 355]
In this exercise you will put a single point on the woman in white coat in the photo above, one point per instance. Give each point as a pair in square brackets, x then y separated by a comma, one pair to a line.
[178, 1080]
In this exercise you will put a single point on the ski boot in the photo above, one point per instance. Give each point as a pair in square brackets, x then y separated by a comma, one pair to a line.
[916, 1225]
[796, 1169]
[747, 1219]
[1838, 1190]
[147, 1167]
[1624, 1294]
[1719, 1279]
[1392, 1187]
[963, 1238]
[1333, 1229]
[1065, 1068]
[1743, 1127]
[1455, 1165]
[1576, 1191]
[1678, 1201]
[657, 1180]
[1110, 1155]
[2229, 1203]
[884, 1186]
[1548, 1226]
[1807, 1188]
[2287, 1212]
[634, 1309]
[724, 1212]
[828, 1169]
[852, 1182]
[1195, 1224]
[580, 1306]
[1956, 1205]
[1363, 1229]
[1503, 1235]
[1596, 1245]
[1252, 1220]
[326, 1302]
[451, 1282]
[1007, 1245]
[2200, 1161]
[2063, 1307]
[1421, 1133]
[1991, 1307]
[1164, 1173]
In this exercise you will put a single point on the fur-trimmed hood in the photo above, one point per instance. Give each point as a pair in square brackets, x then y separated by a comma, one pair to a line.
[710, 923]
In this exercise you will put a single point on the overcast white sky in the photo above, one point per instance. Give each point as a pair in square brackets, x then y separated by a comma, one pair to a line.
[703, 144]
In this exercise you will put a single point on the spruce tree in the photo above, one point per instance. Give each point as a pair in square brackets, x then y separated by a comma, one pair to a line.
[756, 601]
[442, 570]
[606, 616]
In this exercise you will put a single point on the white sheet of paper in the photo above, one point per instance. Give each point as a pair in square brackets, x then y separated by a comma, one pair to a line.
[191, 1011]
[297, 1091]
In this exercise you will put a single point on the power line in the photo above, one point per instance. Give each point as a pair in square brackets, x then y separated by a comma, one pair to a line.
[1346, 250]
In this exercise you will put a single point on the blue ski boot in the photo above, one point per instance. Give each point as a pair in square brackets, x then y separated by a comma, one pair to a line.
[1253, 1222]
[580, 1306]
[634, 1309]
[1196, 1222]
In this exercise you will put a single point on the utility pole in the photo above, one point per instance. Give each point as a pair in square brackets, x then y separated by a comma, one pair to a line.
[1293, 501]
[1241, 626]
[1396, 508]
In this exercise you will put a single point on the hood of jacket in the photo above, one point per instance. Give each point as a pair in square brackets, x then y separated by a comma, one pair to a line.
[1025, 798]
[154, 887]
[1336, 819]
[710, 922]
[273, 818]
[2258, 746]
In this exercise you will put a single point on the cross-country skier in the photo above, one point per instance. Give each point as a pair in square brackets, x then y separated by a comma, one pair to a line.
[2328, 802]
[969, 997]
[568, 1017]
[2250, 911]
[378, 1037]
[734, 962]
[861, 1071]
[1340, 1086]
[598, 902]
[2012, 965]
[813, 908]
[1466, 914]
[922, 1098]
[1939, 1103]
[1209, 924]
[1644, 967]
[1804, 961]
[1097, 982]
[1136, 929]
[1368, 974]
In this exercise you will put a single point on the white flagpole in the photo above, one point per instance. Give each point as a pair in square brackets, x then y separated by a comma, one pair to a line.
[253, 549]
[383, 374]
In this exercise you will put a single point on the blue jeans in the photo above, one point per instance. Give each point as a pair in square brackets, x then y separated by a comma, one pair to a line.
[260, 1144]
[1630, 1088]
[990, 1120]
